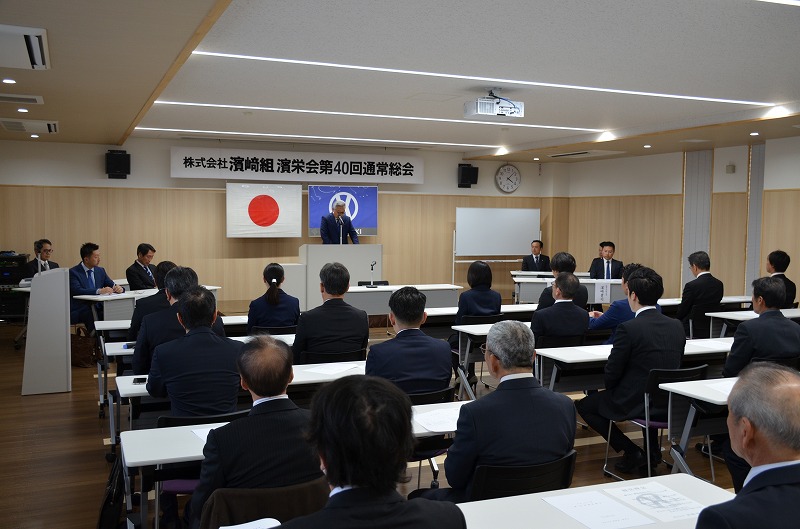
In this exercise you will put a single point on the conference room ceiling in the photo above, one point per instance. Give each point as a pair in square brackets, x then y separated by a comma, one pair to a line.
[678, 76]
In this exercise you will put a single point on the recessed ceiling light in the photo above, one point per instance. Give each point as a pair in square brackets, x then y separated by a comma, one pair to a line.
[34, 135]
[22, 110]
[647, 146]
[501, 151]
[9, 81]
[536, 159]
[754, 133]
[606, 136]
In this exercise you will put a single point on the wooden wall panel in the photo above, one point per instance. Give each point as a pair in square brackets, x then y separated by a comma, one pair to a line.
[779, 228]
[728, 240]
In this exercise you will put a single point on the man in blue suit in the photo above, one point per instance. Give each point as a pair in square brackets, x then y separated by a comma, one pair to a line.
[88, 279]
[336, 226]
[414, 361]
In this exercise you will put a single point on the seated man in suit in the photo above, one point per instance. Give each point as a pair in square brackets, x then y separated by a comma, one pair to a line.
[163, 326]
[150, 304]
[43, 250]
[414, 361]
[605, 266]
[540, 429]
[764, 425]
[619, 311]
[197, 371]
[88, 279]
[700, 295]
[361, 432]
[536, 261]
[336, 225]
[649, 341]
[777, 263]
[564, 318]
[334, 326]
[141, 274]
[563, 262]
[267, 448]
[769, 337]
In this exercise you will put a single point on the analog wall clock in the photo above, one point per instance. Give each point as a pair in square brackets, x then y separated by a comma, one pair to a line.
[508, 178]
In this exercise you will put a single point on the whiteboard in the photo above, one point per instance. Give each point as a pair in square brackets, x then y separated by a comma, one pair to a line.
[496, 231]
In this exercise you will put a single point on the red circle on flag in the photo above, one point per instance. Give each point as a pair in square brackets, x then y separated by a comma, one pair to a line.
[263, 210]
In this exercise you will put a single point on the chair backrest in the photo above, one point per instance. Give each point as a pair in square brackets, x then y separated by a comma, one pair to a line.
[381, 282]
[794, 363]
[327, 358]
[544, 342]
[289, 329]
[433, 397]
[235, 506]
[166, 421]
[501, 481]
[700, 324]
[657, 399]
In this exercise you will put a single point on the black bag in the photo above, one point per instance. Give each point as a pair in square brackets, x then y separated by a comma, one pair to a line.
[83, 348]
[113, 499]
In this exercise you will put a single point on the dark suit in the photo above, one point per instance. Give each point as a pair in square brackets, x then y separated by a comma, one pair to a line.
[791, 290]
[414, 361]
[81, 311]
[284, 314]
[478, 301]
[364, 508]
[618, 312]
[649, 341]
[562, 319]
[138, 278]
[157, 328]
[770, 499]
[546, 298]
[329, 230]
[770, 336]
[32, 267]
[263, 450]
[333, 327]
[702, 294]
[529, 265]
[520, 423]
[197, 372]
[145, 306]
[597, 270]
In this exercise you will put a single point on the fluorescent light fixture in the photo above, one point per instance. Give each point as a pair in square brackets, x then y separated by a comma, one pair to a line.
[363, 115]
[491, 80]
[303, 137]
[23, 110]
[777, 112]
[606, 136]
[754, 133]
[34, 135]
[9, 81]
[784, 2]
[501, 151]
[647, 146]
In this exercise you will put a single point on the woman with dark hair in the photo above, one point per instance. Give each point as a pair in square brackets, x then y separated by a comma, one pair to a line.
[276, 308]
[479, 300]
[361, 431]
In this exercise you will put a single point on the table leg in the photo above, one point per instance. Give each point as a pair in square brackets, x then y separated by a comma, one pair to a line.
[678, 453]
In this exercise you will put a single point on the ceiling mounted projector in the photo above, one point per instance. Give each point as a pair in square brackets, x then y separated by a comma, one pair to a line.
[492, 105]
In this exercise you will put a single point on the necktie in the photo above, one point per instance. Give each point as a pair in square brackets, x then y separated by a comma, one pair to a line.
[536, 261]
[90, 275]
[45, 266]
[149, 273]
[608, 269]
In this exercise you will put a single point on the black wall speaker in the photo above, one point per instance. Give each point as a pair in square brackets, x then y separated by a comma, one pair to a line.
[467, 175]
[118, 164]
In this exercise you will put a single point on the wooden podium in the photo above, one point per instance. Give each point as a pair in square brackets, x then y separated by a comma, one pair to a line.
[356, 257]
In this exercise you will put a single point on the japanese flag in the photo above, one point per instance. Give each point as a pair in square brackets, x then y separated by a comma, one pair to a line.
[263, 210]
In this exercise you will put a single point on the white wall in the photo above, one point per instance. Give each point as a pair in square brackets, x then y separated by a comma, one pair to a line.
[661, 174]
[782, 166]
[731, 183]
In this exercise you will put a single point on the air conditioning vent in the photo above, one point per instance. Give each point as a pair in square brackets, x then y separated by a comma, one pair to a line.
[25, 48]
[584, 154]
[30, 126]
[17, 99]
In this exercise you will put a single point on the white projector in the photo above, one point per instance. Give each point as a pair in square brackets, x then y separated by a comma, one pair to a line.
[490, 106]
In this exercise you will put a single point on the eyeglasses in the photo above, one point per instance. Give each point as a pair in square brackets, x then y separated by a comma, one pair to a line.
[485, 350]
[48, 251]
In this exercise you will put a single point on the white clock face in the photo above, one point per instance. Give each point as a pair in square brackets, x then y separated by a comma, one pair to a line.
[508, 178]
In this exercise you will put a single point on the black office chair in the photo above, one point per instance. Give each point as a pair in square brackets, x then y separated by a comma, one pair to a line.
[310, 357]
[556, 368]
[182, 478]
[256, 330]
[431, 447]
[656, 407]
[502, 481]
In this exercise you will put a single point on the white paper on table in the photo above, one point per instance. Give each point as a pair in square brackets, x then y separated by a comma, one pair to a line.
[724, 386]
[264, 523]
[202, 433]
[332, 368]
[602, 291]
[595, 510]
[441, 421]
[711, 344]
[658, 501]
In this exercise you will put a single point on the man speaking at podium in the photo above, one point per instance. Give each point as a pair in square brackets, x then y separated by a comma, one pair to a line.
[335, 227]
